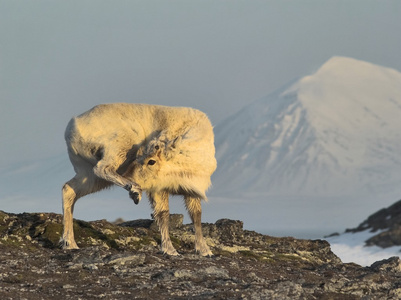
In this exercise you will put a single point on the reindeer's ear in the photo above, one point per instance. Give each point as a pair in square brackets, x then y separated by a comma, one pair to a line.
[172, 147]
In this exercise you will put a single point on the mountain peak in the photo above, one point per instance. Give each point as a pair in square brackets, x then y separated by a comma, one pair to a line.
[336, 131]
[355, 97]
[342, 62]
[341, 65]
[344, 72]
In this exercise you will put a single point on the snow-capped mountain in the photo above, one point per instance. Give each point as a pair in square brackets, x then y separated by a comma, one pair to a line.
[335, 132]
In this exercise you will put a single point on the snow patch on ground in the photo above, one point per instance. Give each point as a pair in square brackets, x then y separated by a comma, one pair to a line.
[350, 247]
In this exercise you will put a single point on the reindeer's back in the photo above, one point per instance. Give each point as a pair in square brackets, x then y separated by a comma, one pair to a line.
[123, 125]
[106, 125]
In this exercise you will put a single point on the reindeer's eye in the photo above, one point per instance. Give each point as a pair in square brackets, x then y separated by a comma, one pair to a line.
[157, 147]
[151, 162]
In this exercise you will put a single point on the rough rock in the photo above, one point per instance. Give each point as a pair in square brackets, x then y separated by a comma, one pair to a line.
[123, 261]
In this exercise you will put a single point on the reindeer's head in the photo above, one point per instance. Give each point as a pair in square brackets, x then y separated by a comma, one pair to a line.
[153, 161]
[162, 165]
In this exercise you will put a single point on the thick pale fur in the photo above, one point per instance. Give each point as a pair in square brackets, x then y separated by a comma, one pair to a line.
[158, 149]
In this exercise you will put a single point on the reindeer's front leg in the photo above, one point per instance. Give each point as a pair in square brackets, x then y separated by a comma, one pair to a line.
[195, 212]
[161, 213]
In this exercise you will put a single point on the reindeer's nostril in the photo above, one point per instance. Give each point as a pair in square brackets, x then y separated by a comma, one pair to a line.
[151, 162]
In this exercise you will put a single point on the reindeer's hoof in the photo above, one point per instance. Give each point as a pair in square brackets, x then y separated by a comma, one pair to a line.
[204, 251]
[172, 254]
[135, 196]
[134, 191]
[206, 254]
[170, 251]
[65, 245]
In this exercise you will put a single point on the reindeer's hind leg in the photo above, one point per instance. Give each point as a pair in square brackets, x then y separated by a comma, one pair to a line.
[194, 208]
[161, 213]
[107, 168]
[74, 189]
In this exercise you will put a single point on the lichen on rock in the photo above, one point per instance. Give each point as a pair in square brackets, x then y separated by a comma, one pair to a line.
[120, 261]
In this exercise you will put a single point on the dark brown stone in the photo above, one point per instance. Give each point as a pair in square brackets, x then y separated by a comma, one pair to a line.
[124, 262]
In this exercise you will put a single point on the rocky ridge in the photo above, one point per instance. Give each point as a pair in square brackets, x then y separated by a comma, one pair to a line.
[386, 223]
[123, 261]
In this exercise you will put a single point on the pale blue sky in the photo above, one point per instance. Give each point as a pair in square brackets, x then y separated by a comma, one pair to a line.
[59, 58]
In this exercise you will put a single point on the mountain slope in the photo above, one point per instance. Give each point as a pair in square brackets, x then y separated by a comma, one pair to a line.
[336, 132]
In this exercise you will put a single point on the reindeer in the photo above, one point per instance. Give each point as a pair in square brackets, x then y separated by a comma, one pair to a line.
[157, 149]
